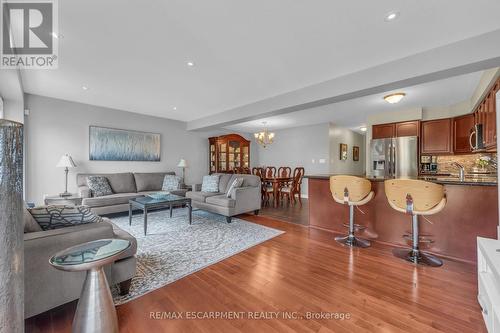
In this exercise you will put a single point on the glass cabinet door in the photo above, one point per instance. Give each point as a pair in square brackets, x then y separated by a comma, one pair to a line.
[234, 155]
[213, 158]
[222, 157]
[245, 156]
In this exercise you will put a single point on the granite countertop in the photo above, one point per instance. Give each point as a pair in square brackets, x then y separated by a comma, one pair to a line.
[479, 180]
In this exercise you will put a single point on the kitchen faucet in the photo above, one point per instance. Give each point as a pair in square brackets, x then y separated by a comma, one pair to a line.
[461, 170]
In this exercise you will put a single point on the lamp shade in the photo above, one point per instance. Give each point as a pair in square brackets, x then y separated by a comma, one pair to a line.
[66, 162]
[182, 163]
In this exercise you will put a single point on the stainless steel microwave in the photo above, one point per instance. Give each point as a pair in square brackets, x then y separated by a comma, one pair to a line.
[476, 138]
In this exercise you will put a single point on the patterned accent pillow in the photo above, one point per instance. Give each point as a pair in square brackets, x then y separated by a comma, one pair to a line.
[210, 183]
[57, 216]
[99, 186]
[30, 224]
[235, 184]
[171, 182]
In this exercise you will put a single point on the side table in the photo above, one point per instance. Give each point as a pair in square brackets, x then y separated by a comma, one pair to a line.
[73, 200]
[95, 311]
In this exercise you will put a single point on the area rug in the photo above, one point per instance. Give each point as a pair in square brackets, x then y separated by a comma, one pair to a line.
[173, 248]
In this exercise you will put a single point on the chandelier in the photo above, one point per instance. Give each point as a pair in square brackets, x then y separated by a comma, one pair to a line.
[265, 137]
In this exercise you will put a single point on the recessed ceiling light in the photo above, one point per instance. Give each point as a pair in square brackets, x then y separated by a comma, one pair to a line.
[362, 128]
[190, 64]
[85, 88]
[394, 98]
[391, 16]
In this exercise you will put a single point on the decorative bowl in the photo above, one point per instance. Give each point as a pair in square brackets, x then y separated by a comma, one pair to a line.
[158, 195]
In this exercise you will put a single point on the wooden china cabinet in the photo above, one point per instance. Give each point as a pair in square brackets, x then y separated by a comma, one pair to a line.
[228, 152]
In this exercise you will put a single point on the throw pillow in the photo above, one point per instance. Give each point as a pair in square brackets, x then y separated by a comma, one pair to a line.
[210, 183]
[55, 217]
[30, 224]
[235, 184]
[99, 186]
[171, 183]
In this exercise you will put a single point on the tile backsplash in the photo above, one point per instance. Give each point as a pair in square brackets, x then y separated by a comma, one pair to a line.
[468, 161]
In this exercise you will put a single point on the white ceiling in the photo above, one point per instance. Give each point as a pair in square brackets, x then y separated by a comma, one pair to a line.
[353, 113]
[132, 54]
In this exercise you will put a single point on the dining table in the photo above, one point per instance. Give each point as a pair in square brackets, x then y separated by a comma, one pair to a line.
[276, 183]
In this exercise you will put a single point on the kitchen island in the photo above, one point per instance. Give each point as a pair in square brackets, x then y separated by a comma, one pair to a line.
[471, 211]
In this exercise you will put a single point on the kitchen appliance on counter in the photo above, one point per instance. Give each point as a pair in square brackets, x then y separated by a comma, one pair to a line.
[394, 157]
[428, 164]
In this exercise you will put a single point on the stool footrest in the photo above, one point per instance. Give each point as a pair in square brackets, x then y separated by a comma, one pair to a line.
[357, 227]
[421, 239]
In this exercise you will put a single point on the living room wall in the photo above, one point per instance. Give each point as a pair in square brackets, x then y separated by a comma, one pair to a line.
[55, 127]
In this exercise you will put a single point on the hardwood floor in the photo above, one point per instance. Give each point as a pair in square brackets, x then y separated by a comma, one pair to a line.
[302, 271]
[289, 213]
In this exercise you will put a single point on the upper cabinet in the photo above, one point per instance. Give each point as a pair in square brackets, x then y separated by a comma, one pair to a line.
[485, 114]
[383, 131]
[407, 128]
[436, 136]
[462, 128]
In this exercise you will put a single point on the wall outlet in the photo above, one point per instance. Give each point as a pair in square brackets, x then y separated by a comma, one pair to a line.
[322, 161]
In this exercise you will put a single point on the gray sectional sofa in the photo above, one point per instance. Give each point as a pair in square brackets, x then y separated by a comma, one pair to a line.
[46, 287]
[244, 199]
[125, 186]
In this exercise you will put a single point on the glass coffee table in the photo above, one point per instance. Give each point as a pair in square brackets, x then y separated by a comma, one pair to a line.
[147, 203]
[95, 311]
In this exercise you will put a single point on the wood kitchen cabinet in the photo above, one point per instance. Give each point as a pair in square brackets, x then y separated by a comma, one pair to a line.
[485, 114]
[462, 128]
[394, 130]
[490, 138]
[407, 128]
[436, 136]
[383, 131]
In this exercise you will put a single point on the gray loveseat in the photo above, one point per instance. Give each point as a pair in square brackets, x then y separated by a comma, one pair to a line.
[46, 287]
[244, 199]
[125, 186]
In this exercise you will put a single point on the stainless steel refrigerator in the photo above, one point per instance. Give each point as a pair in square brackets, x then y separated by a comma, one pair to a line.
[395, 157]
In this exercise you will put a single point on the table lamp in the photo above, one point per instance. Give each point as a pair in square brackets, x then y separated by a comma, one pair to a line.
[66, 162]
[182, 164]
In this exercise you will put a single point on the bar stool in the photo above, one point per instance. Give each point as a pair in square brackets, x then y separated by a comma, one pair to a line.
[415, 197]
[352, 191]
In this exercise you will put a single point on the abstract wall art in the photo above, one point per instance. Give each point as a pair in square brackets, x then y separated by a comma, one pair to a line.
[109, 144]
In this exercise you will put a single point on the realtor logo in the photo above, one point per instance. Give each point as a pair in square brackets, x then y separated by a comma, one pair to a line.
[28, 30]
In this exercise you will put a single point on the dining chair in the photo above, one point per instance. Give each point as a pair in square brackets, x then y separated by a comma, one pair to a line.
[284, 172]
[259, 172]
[269, 173]
[295, 187]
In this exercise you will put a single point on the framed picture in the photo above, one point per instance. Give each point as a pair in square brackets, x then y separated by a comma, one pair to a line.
[343, 151]
[355, 153]
[110, 144]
